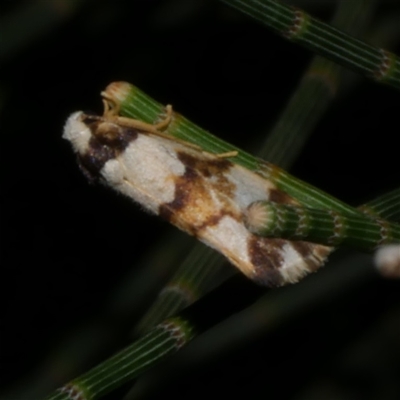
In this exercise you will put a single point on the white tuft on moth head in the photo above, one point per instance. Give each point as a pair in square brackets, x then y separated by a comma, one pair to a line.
[77, 132]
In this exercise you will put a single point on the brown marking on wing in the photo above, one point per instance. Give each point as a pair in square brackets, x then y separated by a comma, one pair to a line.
[303, 248]
[278, 196]
[267, 257]
[311, 253]
[214, 220]
[194, 208]
[265, 254]
[182, 196]
[210, 167]
[94, 159]
[204, 195]
[108, 140]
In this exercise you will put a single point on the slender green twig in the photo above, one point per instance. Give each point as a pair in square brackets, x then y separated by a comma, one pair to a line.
[134, 103]
[387, 206]
[257, 168]
[311, 98]
[319, 226]
[274, 309]
[161, 341]
[168, 337]
[195, 276]
[314, 94]
[323, 39]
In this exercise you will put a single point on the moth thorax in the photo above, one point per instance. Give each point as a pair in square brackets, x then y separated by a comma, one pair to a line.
[107, 132]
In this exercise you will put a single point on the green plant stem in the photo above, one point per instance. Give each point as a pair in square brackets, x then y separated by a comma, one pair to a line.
[134, 103]
[323, 39]
[145, 353]
[161, 341]
[319, 226]
[386, 206]
[314, 94]
[195, 276]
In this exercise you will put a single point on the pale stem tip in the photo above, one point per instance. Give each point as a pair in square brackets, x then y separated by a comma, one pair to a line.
[387, 261]
[256, 217]
[117, 91]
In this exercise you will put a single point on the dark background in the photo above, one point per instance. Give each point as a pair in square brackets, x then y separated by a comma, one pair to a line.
[66, 245]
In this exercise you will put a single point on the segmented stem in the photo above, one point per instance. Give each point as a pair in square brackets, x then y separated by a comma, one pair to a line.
[194, 277]
[386, 206]
[320, 226]
[166, 338]
[161, 341]
[314, 93]
[100, 381]
[133, 103]
[323, 39]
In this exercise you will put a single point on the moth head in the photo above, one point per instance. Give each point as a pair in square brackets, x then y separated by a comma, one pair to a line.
[80, 128]
[77, 132]
[96, 140]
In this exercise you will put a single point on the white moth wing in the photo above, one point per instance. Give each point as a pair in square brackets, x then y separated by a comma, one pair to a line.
[199, 192]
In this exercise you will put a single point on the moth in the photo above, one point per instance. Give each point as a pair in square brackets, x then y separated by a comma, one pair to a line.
[201, 193]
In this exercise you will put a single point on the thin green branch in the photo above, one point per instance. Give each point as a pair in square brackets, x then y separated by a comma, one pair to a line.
[161, 341]
[319, 226]
[196, 275]
[323, 39]
[386, 206]
[134, 103]
[164, 339]
[314, 94]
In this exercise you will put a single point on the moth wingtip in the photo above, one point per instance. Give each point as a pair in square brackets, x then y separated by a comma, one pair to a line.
[271, 278]
[305, 258]
[299, 259]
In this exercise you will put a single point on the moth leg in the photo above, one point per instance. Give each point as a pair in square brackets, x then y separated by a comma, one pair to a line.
[144, 126]
[227, 154]
[111, 108]
[163, 124]
[111, 111]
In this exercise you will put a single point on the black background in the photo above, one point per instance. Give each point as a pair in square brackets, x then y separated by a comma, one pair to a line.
[66, 245]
